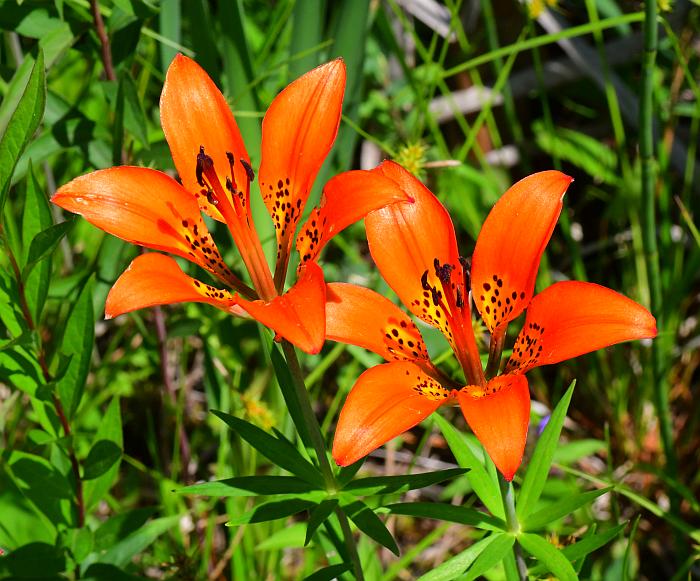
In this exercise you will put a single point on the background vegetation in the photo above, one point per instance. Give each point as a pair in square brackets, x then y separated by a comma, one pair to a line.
[470, 95]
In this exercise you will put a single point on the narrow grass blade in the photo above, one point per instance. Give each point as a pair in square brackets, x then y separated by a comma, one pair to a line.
[541, 460]
[549, 556]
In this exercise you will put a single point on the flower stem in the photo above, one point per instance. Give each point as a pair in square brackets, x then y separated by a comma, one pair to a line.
[513, 525]
[319, 445]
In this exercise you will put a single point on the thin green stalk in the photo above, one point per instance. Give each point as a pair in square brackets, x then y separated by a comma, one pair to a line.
[312, 425]
[649, 231]
[508, 497]
[350, 544]
[319, 445]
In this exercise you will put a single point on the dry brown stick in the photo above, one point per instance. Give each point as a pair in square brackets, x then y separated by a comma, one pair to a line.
[104, 40]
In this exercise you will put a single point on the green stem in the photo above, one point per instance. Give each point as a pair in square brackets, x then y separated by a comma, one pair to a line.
[508, 497]
[350, 544]
[649, 231]
[319, 445]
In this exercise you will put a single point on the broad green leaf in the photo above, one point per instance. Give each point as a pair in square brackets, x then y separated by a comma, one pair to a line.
[106, 572]
[548, 555]
[289, 537]
[272, 510]
[318, 516]
[401, 483]
[121, 553]
[134, 116]
[10, 312]
[559, 509]
[81, 542]
[102, 456]
[572, 451]
[449, 513]
[116, 528]
[328, 573]
[307, 24]
[22, 125]
[249, 486]
[484, 486]
[584, 547]
[169, 21]
[77, 342]
[279, 452]
[43, 485]
[490, 556]
[454, 567]
[43, 245]
[14, 91]
[538, 468]
[33, 561]
[110, 429]
[36, 217]
[285, 382]
[369, 523]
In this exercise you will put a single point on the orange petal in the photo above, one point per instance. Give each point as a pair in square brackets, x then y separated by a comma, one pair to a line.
[299, 314]
[406, 239]
[194, 113]
[499, 414]
[156, 279]
[571, 318]
[297, 133]
[510, 245]
[347, 198]
[360, 316]
[385, 401]
[145, 207]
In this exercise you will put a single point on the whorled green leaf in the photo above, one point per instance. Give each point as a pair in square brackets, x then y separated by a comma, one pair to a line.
[449, 513]
[454, 567]
[560, 508]
[77, 343]
[22, 125]
[250, 486]
[400, 483]
[547, 554]
[484, 486]
[328, 573]
[118, 527]
[541, 461]
[318, 516]
[347, 473]
[490, 556]
[579, 550]
[280, 452]
[272, 510]
[369, 523]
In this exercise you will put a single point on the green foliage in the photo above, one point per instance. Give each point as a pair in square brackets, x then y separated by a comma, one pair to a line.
[111, 464]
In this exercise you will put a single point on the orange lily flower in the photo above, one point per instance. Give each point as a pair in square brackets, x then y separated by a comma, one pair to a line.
[149, 208]
[415, 249]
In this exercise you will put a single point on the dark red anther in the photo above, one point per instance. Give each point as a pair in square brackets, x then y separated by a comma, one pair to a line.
[211, 197]
[204, 164]
[424, 281]
[459, 301]
[466, 269]
[250, 174]
[443, 272]
[229, 185]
